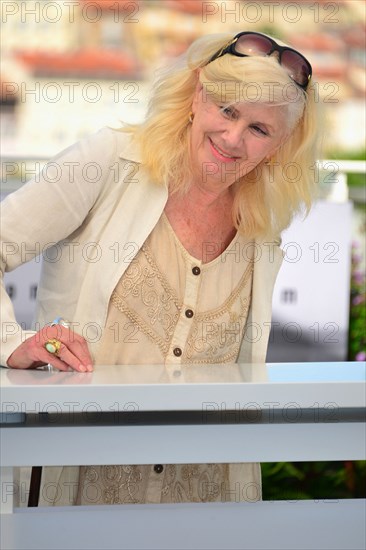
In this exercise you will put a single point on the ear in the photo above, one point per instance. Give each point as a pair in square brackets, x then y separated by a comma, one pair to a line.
[197, 93]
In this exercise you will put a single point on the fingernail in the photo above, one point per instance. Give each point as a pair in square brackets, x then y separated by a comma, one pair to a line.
[89, 368]
[82, 368]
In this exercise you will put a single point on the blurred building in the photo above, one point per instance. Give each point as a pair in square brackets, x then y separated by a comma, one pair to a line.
[69, 68]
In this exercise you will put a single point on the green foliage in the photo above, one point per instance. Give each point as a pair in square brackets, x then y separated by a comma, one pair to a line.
[313, 480]
[271, 31]
[353, 180]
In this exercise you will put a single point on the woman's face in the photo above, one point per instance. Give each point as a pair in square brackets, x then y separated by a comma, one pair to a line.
[227, 143]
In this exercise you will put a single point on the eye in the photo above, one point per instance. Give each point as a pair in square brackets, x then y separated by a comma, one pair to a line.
[229, 112]
[259, 130]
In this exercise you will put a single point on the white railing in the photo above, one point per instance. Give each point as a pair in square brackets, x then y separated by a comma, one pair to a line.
[185, 414]
[10, 164]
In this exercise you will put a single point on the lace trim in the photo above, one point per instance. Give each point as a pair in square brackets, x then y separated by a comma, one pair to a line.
[215, 335]
[128, 484]
[162, 307]
[112, 484]
[138, 321]
[217, 312]
[211, 340]
[194, 483]
[159, 274]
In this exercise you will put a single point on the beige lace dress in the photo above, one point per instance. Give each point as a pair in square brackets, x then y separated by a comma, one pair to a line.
[170, 308]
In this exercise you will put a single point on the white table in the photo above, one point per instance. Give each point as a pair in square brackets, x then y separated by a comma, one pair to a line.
[217, 413]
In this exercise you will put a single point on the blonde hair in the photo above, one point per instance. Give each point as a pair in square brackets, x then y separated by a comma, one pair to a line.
[269, 196]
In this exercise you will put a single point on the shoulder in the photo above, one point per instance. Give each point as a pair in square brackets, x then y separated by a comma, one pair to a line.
[103, 145]
[126, 146]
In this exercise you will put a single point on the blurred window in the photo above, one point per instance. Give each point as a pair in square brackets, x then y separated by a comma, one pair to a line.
[8, 120]
[327, 59]
[358, 55]
[111, 33]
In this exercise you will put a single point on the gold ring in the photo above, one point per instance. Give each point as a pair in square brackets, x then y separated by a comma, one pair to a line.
[53, 346]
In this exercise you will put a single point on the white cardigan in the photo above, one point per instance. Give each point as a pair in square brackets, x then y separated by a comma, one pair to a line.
[89, 212]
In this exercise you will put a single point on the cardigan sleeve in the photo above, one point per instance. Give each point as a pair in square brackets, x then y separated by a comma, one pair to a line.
[48, 209]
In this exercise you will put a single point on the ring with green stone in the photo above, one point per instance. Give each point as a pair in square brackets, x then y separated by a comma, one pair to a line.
[53, 346]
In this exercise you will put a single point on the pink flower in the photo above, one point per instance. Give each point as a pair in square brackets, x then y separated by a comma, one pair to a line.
[361, 356]
[358, 277]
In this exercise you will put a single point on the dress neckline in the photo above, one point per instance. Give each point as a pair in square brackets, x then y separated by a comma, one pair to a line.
[188, 255]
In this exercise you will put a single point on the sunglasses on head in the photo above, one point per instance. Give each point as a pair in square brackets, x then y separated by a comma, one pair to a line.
[247, 44]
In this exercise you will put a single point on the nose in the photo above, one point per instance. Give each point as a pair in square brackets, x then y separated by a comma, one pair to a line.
[234, 139]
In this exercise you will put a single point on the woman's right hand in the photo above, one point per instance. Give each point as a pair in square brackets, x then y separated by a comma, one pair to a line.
[73, 353]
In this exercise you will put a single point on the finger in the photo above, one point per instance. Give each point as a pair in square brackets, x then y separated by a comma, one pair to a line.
[72, 360]
[75, 343]
[52, 359]
[78, 347]
[63, 361]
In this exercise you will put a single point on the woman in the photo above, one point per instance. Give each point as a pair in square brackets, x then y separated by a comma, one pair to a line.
[168, 251]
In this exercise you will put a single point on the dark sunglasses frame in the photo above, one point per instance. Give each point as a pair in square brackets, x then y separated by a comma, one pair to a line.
[230, 48]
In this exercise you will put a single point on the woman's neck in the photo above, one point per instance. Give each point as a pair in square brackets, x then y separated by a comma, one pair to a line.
[200, 217]
[203, 200]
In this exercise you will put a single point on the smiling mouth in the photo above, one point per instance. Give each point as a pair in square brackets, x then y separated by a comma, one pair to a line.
[221, 152]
